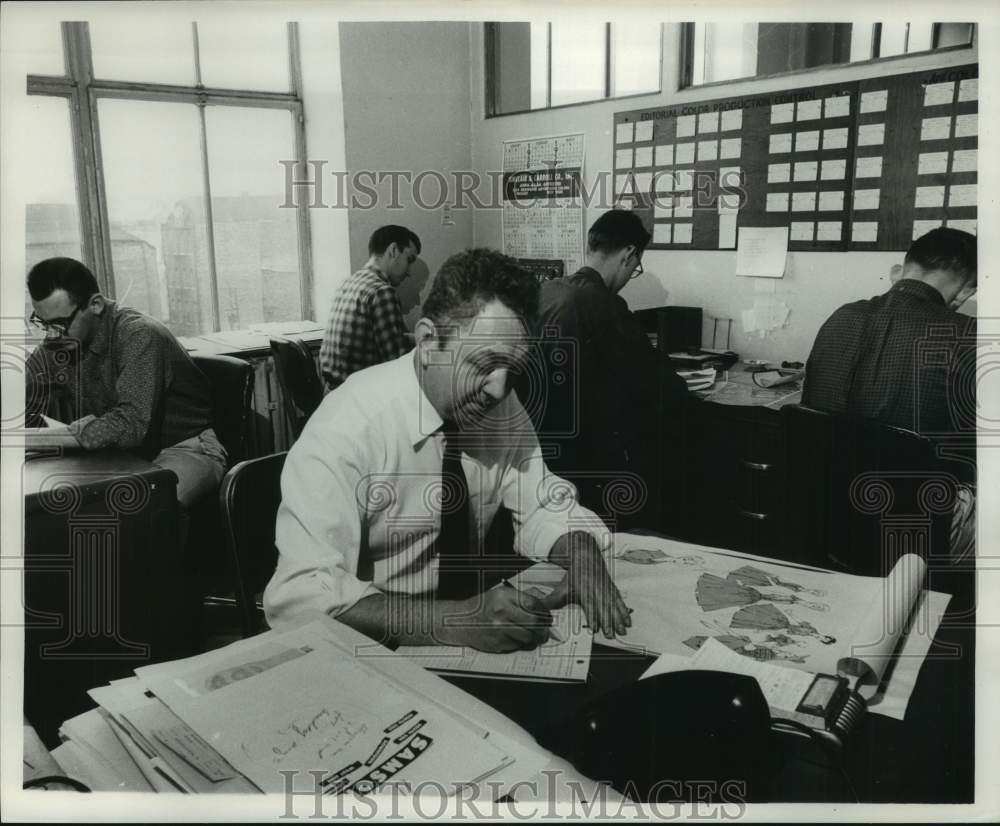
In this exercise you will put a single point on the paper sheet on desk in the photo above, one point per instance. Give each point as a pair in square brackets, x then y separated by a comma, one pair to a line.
[794, 616]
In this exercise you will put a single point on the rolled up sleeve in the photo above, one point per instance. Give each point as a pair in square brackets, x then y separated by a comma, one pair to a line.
[318, 531]
[543, 506]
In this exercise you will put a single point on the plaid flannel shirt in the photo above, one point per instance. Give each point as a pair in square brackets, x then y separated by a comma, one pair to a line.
[903, 358]
[365, 327]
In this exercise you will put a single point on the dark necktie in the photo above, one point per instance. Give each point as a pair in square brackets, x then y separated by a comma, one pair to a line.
[458, 573]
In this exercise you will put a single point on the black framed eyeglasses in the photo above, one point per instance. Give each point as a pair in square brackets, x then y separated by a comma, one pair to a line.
[55, 325]
[638, 269]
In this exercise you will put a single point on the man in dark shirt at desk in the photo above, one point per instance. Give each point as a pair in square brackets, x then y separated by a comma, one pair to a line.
[622, 387]
[134, 387]
[907, 358]
[867, 358]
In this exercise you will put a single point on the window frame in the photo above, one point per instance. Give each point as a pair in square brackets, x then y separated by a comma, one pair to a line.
[490, 97]
[686, 56]
[82, 92]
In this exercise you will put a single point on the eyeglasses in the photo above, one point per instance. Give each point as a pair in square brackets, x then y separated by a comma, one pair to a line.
[55, 325]
[638, 269]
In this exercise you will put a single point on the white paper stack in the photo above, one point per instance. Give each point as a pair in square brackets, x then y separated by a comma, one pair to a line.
[698, 379]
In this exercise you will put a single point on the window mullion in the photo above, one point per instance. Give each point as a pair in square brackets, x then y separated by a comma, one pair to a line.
[609, 77]
[213, 276]
[302, 210]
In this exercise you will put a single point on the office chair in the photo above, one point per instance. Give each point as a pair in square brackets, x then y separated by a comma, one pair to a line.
[857, 493]
[248, 501]
[231, 380]
[301, 387]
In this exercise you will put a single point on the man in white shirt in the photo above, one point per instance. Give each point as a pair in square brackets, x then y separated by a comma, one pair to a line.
[362, 512]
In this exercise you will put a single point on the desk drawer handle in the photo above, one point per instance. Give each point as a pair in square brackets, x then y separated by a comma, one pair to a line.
[756, 465]
[753, 514]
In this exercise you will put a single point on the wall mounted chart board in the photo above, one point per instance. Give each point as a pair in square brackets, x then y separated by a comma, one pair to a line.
[862, 165]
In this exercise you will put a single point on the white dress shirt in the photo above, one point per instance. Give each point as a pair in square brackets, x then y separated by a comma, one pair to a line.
[361, 493]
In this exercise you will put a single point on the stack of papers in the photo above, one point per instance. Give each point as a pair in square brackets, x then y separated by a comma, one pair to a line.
[698, 379]
[236, 719]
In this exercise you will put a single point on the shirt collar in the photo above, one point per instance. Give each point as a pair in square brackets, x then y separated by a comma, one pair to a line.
[376, 271]
[422, 420]
[918, 289]
[102, 336]
[592, 277]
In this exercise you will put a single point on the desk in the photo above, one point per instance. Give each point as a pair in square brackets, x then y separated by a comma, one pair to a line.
[103, 577]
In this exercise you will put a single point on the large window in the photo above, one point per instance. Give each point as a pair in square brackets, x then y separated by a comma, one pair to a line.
[162, 170]
[543, 65]
[716, 52]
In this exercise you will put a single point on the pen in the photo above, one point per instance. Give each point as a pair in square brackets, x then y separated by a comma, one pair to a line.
[553, 633]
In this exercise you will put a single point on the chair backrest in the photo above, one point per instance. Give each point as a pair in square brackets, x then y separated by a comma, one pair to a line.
[231, 380]
[858, 493]
[249, 499]
[300, 383]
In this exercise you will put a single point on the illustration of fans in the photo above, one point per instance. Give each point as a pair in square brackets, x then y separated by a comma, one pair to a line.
[654, 556]
[765, 617]
[748, 575]
[714, 593]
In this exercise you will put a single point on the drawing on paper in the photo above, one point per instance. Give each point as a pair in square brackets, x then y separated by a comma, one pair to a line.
[747, 647]
[763, 616]
[654, 556]
[748, 575]
[714, 593]
[220, 679]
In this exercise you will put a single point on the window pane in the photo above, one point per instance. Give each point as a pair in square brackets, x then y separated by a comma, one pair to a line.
[256, 242]
[136, 50]
[893, 39]
[244, 54]
[637, 58]
[578, 60]
[921, 35]
[730, 51]
[861, 41]
[32, 46]
[954, 34]
[52, 221]
[539, 65]
[152, 172]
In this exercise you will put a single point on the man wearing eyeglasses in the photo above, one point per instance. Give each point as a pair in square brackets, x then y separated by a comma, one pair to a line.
[134, 387]
[621, 388]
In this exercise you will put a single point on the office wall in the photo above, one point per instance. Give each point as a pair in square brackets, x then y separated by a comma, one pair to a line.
[407, 109]
[815, 283]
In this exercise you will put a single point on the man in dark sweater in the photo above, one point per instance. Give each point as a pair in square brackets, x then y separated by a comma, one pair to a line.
[607, 424]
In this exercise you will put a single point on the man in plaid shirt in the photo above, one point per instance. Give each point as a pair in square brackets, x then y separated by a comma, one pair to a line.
[366, 320]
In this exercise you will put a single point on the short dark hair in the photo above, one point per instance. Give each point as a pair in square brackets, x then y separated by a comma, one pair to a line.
[945, 248]
[469, 280]
[392, 234]
[615, 230]
[62, 274]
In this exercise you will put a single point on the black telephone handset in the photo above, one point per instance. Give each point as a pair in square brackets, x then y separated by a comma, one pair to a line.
[672, 737]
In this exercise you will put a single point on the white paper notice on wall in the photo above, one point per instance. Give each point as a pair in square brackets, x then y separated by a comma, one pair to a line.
[684, 153]
[964, 224]
[777, 202]
[935, 129]
[831, 201]
[682, 233]
[965, 160]
[729, 203]
[805, 171]
[686, 125]
[623, 159]
[835, 170]
[624, 132]
[708, 122]
[932, 163]
[779, 173]
[643, 182]
[684, 180]
[807, 141]
[683, 208]
[732, 120]
[663, 180]
[939, 94]
[803, 202]
[730, 148]
[802, 230]
[661, 233]
[762, 251]
[866, 198]
[828, 231]
[864, 232]
[968, 89]
[834, 139]
[663, 209]
[708, 150]
[966, 126]
[808, 109]
[837, 107]
[874, 101]
[644, 131]
[962, 195]
[780, 144]
[930, 196]
[643, 156]
[869, 167]
[871, 134]
[782, 112]
[729, 176]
